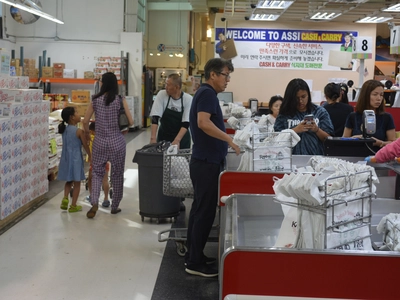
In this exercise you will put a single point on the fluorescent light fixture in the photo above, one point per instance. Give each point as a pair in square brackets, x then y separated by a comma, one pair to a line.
[326, 16]
[274, 4]
[264, 17]
[393, 8]
[374, 20]
[33, 11]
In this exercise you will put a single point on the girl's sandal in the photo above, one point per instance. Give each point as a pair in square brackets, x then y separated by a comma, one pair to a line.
[92, 212]
[64, 203]
[75, 208]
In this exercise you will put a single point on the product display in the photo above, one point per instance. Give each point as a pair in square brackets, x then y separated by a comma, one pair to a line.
[24, 148]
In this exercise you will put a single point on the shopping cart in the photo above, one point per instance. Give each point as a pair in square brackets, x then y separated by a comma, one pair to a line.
[176, 174]
[177, 183]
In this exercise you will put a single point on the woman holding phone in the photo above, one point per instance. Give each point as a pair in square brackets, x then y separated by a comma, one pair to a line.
[311, 122]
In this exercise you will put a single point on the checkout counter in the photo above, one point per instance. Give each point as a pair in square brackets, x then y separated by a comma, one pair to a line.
[251, 268]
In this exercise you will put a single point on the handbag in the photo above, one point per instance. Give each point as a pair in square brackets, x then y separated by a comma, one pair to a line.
[122, 118]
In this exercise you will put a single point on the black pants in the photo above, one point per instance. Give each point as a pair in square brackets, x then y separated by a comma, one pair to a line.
[205, 178]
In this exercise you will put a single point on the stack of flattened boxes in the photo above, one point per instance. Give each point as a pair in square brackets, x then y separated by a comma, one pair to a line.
[80, 99]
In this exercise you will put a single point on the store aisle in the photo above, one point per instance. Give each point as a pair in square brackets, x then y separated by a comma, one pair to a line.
[53, 254]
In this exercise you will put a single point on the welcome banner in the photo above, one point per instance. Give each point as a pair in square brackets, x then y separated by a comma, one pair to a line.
[286, 49]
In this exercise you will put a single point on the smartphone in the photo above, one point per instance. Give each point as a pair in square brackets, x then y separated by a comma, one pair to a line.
[309, 118]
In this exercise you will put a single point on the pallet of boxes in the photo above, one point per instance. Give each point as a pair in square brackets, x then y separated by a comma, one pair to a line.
[24, 145]
[80, 100]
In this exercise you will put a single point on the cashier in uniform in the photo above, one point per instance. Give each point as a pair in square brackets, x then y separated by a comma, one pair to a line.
[170, 114]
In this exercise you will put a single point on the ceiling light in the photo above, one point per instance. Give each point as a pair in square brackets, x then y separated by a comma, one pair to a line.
[274, 4]
[326, 16]
[393, 8]
[151, 53]
[375, 19]
[33, 11]
[158, 54]
[170, 55]
[264, 17]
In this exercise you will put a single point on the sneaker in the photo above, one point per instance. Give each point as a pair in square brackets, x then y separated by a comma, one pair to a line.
[64, 203]
[88, 198]
[202, 270]
[106, 203]
[207, 260]
[73, 209]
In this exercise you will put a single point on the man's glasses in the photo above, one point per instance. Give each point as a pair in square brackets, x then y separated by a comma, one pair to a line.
[227, 76]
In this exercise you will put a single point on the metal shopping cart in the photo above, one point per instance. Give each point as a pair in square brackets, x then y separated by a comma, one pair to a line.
[177, 183]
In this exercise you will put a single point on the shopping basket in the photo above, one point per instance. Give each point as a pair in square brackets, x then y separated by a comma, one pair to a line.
[176, 174]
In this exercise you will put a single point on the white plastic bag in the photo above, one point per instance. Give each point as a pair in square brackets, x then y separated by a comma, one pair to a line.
[288, 232]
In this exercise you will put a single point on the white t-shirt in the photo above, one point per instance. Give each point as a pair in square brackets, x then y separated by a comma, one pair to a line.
[161, 101]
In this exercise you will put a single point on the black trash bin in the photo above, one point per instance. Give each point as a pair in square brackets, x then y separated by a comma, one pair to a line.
[152, 202]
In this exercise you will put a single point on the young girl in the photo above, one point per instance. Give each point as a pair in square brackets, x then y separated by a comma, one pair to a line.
[71, 163]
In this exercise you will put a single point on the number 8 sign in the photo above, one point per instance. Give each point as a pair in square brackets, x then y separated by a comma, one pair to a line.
[362, 48]
[395, 40]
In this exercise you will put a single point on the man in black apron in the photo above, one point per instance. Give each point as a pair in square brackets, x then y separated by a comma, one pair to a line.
[170, 114]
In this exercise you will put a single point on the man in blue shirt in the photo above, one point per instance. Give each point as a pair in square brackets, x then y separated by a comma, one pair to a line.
[210, 146]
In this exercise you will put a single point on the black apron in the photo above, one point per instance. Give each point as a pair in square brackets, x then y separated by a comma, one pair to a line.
[170, 124]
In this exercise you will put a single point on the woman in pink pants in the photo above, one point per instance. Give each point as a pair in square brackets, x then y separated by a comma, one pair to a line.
[109, 142]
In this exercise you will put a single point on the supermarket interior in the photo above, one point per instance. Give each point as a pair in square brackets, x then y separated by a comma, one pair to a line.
[281, 208]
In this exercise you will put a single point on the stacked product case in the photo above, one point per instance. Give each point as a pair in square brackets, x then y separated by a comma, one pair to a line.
[24, 129]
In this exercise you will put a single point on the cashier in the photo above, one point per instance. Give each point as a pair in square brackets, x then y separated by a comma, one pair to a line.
[295, 106]
[170, 114]
[371, 98]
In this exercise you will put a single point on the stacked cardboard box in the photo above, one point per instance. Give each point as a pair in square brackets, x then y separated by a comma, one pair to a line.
[24, 149]
[14, 82]
[80, 100]
[47, 72]
[88, 75]
[30, 69]
[5, 59]
[58, 70]
[108, 64]
[69, 73]
[15, 67]
[57, 101]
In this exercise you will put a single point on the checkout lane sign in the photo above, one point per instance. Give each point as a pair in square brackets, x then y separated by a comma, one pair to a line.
[395, 40]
